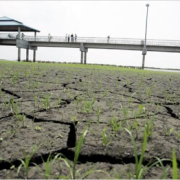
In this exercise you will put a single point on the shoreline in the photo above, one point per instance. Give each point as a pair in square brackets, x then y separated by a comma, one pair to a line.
[133, 67]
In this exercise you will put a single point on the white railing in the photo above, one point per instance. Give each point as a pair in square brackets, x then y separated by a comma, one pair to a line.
[128, 41]
[8, 35]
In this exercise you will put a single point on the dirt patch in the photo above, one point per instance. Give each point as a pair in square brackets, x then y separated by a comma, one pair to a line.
[47, 107]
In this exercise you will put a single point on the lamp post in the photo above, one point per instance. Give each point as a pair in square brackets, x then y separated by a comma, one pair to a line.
[144, 52]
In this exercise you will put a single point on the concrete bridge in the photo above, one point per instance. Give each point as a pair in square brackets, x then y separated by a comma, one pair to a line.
[85, 43]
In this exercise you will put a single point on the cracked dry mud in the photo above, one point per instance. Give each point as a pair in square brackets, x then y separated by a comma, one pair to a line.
[92, 97]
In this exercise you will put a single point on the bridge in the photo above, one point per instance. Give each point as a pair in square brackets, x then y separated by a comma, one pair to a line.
[20, 40]
[85, 43]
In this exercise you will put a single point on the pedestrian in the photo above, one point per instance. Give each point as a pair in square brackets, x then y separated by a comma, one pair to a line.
[49, 37]
[22, 35]
[10, 36]
[17, 36]
[75, 38]
[72, 38]
[68, 38]
[108, 39]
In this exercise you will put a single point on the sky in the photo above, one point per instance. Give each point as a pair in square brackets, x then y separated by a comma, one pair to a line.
[118, 19]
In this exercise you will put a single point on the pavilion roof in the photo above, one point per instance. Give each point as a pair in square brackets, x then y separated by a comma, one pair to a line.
[8, 24]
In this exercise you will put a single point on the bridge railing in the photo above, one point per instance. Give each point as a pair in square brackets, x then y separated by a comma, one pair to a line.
[84, 40]
[105, 40]
[128, 41]
[8, 35]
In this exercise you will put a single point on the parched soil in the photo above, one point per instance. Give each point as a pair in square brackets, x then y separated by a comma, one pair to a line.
[47, 107]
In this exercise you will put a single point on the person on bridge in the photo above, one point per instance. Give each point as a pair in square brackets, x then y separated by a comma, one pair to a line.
[18, 36]
[22, 36]
[72, 38]
[68, 38]
[49, 37]
[75, 38]
[11, 36]
[108, 39]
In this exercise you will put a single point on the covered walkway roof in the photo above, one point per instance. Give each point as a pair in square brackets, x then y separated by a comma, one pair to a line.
[8, 24]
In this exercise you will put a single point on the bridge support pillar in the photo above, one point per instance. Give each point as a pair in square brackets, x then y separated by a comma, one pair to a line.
[143, 61]
[85, 55]
[19, 54]
[81, 57]
[83, 50]
[34, 36]
[19, 49]
[27, 54]
[144, 52]
[34, 55]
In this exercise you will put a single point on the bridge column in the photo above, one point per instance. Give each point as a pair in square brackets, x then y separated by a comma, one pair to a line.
[34, 55]
[83, 50]
[19, 54]
[34, 51]
[143, 61]
[85, 55]
[34, 36]
[144, 54]
[27, 54]
[19, 49]
[81, 57]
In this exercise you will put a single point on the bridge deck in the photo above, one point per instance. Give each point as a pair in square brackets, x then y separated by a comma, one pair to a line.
[90, 43]
[128, 41]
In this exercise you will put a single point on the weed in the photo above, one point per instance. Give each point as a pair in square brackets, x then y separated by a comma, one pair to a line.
[105, 93]
[37, 128]
[35, 98]
[168, 132]
[88, 105]
[35, 85]
[141, 109]
[139, 169]
[15, 78]
[130, 102]
[175, 98]
[149, 126]
[21, 118]
[5, 105]
[78, 100]
[59, 102]
[14, 107]
[115, 125]
[149, 91]
[46, 101]
[138, 165]
[125, 112]
[26, 162]
[175, 174]
[136, 127]
[109, 102]
[48, 165]
[98, 114]
[105, 139]
[72, 168]
[178, 135]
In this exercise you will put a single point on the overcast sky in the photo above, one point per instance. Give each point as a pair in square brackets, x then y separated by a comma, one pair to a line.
[120, 19]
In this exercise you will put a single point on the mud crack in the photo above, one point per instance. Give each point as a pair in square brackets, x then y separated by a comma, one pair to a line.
[170, 111]
[83, 159]
[71, 141]
[129, 89]
[11, 93]
[37, 120]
